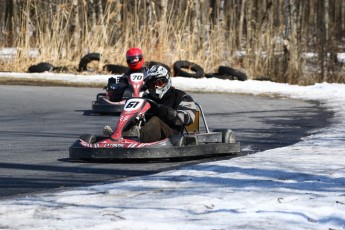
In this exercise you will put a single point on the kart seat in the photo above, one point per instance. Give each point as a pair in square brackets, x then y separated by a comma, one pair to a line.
[195, 126]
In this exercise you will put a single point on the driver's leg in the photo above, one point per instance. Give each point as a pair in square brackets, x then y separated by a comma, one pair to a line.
[154, 130]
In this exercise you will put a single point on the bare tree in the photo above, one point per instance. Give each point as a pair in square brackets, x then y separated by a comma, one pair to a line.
[241, 24]
[99, 8]
[205, 22]
[11, 20]
[118, 21]
[92, 18]
[196, 25]
[74, 29]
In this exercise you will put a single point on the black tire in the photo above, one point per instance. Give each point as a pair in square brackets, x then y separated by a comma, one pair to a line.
[115, 69]
[228, 136]
[180, 65]
[228, 71]
[87, 59]
[41, 67]
[210, 75]
[151, 63]
[88, 138]
[217, 75]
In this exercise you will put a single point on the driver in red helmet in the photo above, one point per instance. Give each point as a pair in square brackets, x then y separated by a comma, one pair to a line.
[135, 59]
[135, 62]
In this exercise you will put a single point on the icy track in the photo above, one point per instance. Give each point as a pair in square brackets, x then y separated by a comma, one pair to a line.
[296, 187]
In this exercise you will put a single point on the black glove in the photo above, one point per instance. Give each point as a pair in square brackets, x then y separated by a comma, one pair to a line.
[163, 111]
[111, 81]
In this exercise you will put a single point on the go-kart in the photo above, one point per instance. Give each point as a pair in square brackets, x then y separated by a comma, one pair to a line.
[104, 104]
[124, 142]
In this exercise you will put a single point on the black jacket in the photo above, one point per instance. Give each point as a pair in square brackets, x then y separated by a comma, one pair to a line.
[181, 108]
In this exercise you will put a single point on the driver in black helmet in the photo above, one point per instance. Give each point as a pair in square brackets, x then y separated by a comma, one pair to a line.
[173, 109]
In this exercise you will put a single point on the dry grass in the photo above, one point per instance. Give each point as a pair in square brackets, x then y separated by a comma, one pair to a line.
[163, 41]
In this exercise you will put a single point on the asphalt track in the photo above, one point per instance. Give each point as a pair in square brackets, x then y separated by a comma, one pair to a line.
[38, 124]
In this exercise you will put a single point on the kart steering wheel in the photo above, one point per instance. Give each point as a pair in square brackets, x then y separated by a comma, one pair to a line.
[152, 102]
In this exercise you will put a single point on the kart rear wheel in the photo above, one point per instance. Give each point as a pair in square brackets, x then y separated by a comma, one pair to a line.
[228, 136]
[88, 138]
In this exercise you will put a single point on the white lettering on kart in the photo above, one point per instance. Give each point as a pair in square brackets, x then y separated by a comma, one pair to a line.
[113, 145]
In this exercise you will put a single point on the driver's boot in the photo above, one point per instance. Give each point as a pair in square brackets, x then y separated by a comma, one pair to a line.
[107, 131]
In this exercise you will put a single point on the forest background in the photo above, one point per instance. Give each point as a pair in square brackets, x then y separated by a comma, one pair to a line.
[287, 41]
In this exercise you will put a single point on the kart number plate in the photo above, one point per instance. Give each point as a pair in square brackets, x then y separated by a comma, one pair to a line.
[133, 104]
[137, 77]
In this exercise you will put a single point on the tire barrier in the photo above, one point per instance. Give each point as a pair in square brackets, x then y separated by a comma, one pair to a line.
[180, 66]
[231, 73]
[46, 67]
[228, 73]
[115, 69]
[87, 59]
[41, 67]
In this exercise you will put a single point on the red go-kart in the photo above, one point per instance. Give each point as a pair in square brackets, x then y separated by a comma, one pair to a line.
[103, 104]
[124, 142]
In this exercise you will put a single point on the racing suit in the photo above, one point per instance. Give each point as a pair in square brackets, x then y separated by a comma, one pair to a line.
[169, 116]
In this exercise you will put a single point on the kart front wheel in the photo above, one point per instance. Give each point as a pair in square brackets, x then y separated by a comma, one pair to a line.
[88, 138]
[228, 136]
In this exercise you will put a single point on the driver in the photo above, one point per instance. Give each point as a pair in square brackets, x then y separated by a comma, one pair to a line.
[171, 110]
[135, 62]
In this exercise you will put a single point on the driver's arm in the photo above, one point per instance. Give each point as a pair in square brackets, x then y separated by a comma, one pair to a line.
[185, 112]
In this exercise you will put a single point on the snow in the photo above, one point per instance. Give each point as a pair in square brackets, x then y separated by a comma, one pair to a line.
[301, 186]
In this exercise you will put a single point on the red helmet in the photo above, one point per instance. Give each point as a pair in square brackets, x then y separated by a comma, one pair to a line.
[135, 59]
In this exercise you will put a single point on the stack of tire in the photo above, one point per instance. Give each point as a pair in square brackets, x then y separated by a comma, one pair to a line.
[85, 60]
[185, 68]
[182, 68]
[225, 72]
[114, 69]
[46, 67]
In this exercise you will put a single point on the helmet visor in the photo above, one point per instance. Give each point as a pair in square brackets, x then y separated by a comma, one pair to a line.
[134, 59]
[159, 83]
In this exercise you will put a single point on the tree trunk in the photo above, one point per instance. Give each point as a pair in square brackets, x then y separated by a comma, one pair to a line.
[92, 18]
[342, 18]
[196, 25]
[241, 24]
[321, 35]
[99, 10]
[205, 22]
[74, 29]
[286, 46]
[118, 22]
[11, 19]
[162, 11]
[294, 70]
